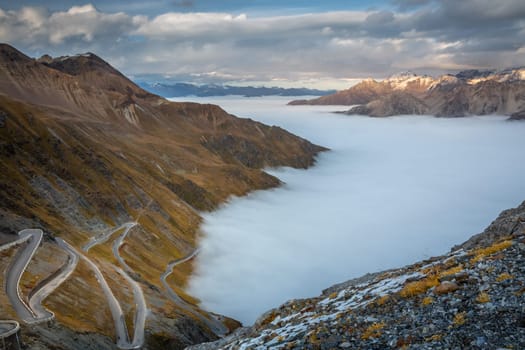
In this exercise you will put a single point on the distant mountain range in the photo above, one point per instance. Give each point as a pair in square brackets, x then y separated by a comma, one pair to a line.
[470, 92]
[187, 89]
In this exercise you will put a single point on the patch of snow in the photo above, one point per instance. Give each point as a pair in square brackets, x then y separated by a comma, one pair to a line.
[392, 285]
[401, 82]
[329, 300]
[444, 80]
[361, 297]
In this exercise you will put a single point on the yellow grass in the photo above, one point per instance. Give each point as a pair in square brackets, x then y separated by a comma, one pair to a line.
[452, 271]
[484, 252]
[504, 276]
[373, 331]
[483, 297]
[427, 301]
[418, 287]
[460, 319]
[382, 300]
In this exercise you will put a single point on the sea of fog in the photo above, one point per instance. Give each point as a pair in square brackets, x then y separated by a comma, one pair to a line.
[390, 192]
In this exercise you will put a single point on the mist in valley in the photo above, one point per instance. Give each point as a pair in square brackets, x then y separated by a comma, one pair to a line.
[390, 192]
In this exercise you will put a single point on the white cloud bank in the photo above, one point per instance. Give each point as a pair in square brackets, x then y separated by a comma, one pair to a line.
[433, 36]
[391, 192]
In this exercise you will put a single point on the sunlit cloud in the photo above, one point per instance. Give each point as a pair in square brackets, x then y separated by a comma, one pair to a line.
[434, 35]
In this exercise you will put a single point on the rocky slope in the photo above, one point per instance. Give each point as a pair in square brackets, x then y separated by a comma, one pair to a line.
[83, 150]
[470, 298]
[466, 93]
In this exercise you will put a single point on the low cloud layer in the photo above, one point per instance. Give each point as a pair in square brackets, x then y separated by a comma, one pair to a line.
[391, 192]
[429, 36]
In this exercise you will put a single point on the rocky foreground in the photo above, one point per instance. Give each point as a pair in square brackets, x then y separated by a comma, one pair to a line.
[467, 93]
[470, 298]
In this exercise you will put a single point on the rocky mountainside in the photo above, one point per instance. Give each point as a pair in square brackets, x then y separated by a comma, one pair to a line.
[120, 174]
[470, 298]
[466, 93]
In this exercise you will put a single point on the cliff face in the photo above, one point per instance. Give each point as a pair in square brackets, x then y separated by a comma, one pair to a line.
[467, 93]
[471, 298]
[84, 150]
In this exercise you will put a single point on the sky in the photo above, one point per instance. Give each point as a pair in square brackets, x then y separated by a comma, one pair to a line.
[322, 44]
[391, 191]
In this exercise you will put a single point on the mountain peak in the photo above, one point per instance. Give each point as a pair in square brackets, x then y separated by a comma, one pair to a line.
[80, 64]
[402, 75]
[10, 54]
[474, 73]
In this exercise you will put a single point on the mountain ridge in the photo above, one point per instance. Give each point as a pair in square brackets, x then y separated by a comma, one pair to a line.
[469, 92]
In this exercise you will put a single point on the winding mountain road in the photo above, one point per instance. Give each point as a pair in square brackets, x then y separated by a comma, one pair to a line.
[49, 284]
[14, 274]
[121, 330]
[141, 310]
[216, 326]
[104, 237]
[140, 313]
[8, 329]
[169, 270]
[118, 243]
[33, 311]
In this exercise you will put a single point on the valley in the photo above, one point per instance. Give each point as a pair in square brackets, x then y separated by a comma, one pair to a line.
[262, 175]
[390, 192]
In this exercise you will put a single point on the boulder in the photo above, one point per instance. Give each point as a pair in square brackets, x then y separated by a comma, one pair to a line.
[446, 287]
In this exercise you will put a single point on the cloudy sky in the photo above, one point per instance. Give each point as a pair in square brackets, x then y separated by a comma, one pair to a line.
[295, 42]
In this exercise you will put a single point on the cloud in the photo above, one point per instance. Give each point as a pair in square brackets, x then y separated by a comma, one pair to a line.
[80, 25]
[410, 4]
[184, 3]
[391, 192]
[339, 44]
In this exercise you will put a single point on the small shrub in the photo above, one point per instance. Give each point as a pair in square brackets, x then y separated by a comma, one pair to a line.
[373, 331]
[451, 271]
[483, 252]
[333, 295]
[269, 319]
[504, 276]
[313, 338]
[460, 319]
[381, 301]
[435, 337]
[427, 301]
[483, 297]
[418, 287]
